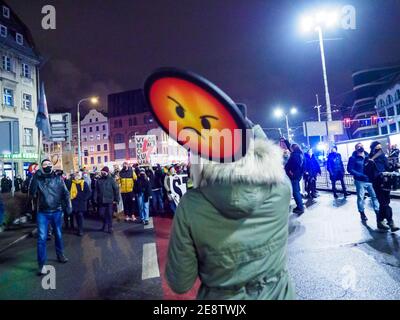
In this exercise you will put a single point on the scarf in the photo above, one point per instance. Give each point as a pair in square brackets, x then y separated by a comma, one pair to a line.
[74, 189]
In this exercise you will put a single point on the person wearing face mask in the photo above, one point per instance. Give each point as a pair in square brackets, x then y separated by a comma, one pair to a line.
[106, 194]
[127, 178]
[377, 164]
[52, 196]
[356, 167]
[335, 168]
[80, 193]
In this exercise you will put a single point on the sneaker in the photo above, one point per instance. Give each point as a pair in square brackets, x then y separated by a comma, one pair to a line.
[363, 216]
[42, 271]
[298, 211]
[62, 259]
[335, 196]
[393, 228]
[382, 226]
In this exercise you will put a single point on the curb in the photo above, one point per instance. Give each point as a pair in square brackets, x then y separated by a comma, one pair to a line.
[18, 240]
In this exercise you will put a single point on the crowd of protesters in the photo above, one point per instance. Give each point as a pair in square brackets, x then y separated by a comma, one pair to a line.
[366, 169]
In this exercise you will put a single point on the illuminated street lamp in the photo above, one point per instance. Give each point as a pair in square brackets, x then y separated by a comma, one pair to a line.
[279, 113]
[93, 101]
[315, 22]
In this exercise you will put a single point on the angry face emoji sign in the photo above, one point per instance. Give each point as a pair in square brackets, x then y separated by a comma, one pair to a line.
[197, 114]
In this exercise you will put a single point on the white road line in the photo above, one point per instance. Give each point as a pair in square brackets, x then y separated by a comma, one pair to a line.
[150, 225]
[150, 267]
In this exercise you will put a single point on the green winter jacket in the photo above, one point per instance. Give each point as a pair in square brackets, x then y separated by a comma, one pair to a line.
[232, 231]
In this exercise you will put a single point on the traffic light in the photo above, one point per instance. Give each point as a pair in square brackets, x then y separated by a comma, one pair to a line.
[347, 123]
[374, 120]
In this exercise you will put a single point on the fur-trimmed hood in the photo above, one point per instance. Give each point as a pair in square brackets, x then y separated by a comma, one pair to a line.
[262, 165]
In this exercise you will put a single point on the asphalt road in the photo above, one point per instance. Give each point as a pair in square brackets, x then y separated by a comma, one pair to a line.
[331, 255]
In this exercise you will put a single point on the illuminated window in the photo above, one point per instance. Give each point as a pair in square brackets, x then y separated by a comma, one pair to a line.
[19, 38]
[3, 31]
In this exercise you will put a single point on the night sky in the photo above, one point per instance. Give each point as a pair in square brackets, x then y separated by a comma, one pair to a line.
[252, 49]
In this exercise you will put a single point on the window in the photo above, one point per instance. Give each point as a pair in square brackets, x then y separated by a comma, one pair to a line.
[390, 112]
[104, 136]
[3, 31]
[98, 147]
[393, 128]
[97, 119]
[98, 160]
[84, 139]
[384, 130]
[130, 122]
[6, 12]
[91, 160]
[90, 129]
[97, 128]
[105, 147]
[45, 147]
[382, 114]
[90, 120]
[26, 71]
[105, 158]
[91, 138]
[389, 99]
[7, 63]
[98, 137]
[84, 130]
[119, 138]
[19, 38]
[26, 101]
[91, 148]
[28, 137]
[397, 97]
[381, 103]
[85, 161]
[8, 95]
[120, 123]
[104, 127]
[134, 121]
[119, 154]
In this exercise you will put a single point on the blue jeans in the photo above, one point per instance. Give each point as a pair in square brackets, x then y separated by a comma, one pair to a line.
[43, 220]
[143, 207]
[157, 201]
[297, 194]
[361, 187]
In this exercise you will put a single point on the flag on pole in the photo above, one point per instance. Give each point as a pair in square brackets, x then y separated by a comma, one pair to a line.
[42, 117]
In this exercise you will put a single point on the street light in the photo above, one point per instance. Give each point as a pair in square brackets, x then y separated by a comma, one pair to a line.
[317, 21]
[279, 113]
[94, 101]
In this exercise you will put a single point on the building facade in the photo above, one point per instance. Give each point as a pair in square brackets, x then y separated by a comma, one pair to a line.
[388, 107]
[367, 85]
[95, 140]
[19, 73]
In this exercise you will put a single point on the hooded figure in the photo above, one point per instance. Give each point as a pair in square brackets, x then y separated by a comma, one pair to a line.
[231, 231]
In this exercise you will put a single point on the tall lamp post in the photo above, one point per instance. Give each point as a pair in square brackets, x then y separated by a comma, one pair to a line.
[317, 22]
[94, 101]
[279, 113]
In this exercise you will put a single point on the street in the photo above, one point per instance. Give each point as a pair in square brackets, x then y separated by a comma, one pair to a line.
[331, 255]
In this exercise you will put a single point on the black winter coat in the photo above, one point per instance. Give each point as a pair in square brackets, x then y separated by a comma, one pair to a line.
[356, 167]
[311, 165]
[51, 193]
[79, 204]
[295, 166]
[106, 190]
[143, 186]
[335, 166]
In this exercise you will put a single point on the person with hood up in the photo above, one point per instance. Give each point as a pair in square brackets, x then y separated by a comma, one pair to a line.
[377, 164]
[143, 193]
[80, 193]
[231, 230]
[294, 169]
[356, 167]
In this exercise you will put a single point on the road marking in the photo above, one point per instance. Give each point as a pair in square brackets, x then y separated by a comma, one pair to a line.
[150, 225]
[150, 267]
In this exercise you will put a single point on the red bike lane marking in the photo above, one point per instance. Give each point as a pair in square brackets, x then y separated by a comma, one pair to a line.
[162, 227]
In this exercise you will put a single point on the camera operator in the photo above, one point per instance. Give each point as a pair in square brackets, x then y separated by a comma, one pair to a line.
[377, 164]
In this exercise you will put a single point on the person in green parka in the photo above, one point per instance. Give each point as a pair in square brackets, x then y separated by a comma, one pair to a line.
[231, 230]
